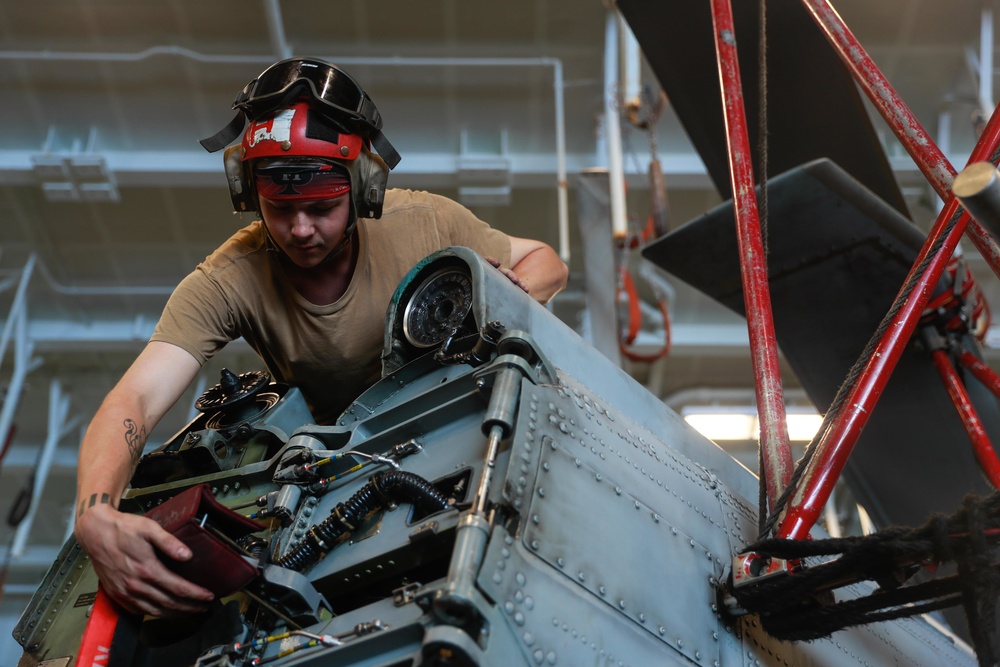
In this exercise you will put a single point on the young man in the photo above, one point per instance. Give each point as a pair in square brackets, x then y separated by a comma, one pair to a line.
[307, 286]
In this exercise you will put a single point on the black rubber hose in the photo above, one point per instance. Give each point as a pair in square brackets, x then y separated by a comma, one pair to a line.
[382, 489]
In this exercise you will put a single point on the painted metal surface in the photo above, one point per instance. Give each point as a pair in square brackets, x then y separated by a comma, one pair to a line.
[978, 436]
[836, 443]
[602, 540]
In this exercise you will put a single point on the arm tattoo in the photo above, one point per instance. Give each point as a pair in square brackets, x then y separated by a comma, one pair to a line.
[135, 438]
[86, 503]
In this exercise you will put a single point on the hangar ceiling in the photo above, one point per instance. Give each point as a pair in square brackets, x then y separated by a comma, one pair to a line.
[107, 200]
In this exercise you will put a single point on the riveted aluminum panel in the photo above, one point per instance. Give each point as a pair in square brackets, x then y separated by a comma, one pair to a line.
[608, 511]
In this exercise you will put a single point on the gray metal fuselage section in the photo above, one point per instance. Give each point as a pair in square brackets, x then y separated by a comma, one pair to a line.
[586, 524]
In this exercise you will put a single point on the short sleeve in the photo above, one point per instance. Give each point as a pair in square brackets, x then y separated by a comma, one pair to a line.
[197, 318]
[459, 226]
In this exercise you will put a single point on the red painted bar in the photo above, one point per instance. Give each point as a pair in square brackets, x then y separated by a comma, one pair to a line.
[836, 443]
[982, 372]
[981, 444]
[918, 143]
[777, 454]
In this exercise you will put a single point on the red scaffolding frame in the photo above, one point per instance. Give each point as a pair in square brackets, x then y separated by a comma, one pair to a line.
[815, 484]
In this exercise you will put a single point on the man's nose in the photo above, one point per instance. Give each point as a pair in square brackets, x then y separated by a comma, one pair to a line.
[302, 225]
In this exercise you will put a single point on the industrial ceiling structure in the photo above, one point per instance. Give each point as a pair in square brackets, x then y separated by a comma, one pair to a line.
[107, 200]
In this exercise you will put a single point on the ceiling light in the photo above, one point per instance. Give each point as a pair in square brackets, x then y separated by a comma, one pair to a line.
[739, 422]
[484, 196]
[724, 426]
[48, 167]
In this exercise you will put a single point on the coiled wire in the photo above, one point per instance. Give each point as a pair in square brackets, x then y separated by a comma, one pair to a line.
[391, 486]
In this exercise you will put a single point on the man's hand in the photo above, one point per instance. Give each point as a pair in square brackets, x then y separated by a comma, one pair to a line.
[508, 272]
[123, 550]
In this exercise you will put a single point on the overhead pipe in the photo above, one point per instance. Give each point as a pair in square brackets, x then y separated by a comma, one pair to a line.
[58, 426]
[393, 61]
[276, 26]
[612, 128]
[17, 306]
[775, 448]
[986, 60]
[17, 324]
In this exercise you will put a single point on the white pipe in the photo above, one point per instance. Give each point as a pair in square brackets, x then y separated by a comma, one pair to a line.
[562, 185]
[16, 307]
[393, 61]
[631, 75]
[612, 129]
[986, 61]
[105, 56]
[276, 26]
[22, 366]
[58, 409]
[79, 290]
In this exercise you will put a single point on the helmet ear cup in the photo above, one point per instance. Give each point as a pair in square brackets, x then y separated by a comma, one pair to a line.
[369, 174]
[240, 187]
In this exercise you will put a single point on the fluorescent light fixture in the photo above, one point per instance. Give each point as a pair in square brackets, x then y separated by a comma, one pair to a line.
[724, 426]
[484, 171]
[89, 168]
[62, 191]
[739, 422]
[803, 426]
[484, 196]
[49, 167]
[102, 192]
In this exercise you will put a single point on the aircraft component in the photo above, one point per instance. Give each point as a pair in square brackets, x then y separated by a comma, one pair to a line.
[978, 188]
[575, 520]
[833, 243]
[439, 305]
[776, 452]
[381, 489]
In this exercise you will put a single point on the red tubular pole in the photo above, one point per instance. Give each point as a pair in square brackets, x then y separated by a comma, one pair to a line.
[982, 372]
[981, 444]
[777, 455]
[918, 143]
[836, 443]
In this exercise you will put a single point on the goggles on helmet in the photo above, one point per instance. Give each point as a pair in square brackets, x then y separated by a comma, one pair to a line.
[283, 83]
[331, 90]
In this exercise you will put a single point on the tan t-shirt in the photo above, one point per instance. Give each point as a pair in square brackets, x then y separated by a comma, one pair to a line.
[331, 352]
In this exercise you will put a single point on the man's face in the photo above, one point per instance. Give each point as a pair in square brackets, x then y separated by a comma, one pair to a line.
[307, 231]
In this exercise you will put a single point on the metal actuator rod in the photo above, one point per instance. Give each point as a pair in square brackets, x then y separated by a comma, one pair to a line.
[978, 188]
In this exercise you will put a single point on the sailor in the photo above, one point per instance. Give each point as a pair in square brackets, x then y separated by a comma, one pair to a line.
[307, 286]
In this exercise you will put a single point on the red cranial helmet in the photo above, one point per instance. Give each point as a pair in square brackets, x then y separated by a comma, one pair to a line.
[305, 110]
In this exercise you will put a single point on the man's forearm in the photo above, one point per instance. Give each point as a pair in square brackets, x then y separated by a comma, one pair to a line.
[109, 453]
[543, 272]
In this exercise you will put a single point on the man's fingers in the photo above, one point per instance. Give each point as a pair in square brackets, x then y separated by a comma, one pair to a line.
[165, 542]
[165, 580]
[128, 553]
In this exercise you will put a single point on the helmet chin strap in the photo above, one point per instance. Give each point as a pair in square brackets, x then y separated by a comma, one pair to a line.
[344, 242]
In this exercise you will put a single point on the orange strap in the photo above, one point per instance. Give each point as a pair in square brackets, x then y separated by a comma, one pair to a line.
[635, 321]
[95, 647]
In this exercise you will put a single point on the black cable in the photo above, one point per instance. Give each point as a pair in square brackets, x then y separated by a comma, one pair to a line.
[381, 490]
